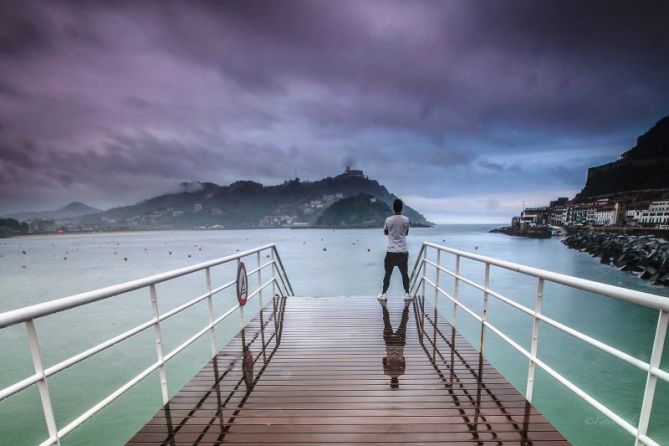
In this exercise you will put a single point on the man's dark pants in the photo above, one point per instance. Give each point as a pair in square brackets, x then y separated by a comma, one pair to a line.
[400, 260]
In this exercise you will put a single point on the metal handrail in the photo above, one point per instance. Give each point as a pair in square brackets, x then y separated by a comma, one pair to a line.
[27, 315]
[659, 303]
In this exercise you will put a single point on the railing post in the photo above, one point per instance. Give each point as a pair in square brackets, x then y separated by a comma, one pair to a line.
[262, 306]
[456, 290]
[241, 307]
[436, 303]
[159, 344]
[538, 301]
[651, 380]
[484, 316]
[424, 270]
[271, 251]
[42, 385]
[274, 286]
[259, 279]
[210, 303]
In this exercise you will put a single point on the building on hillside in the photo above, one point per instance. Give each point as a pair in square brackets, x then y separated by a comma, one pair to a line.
[606, 215]
[558, 215]
[580, 214]
[633, 217]
[656, 214]
[353, 173]
[38, 226]
[534, 216]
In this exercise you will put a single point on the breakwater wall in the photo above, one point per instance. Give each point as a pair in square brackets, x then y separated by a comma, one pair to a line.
[646, 256]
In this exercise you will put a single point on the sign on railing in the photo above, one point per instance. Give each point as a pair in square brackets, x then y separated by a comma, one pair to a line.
[278, 281]
[652, 368]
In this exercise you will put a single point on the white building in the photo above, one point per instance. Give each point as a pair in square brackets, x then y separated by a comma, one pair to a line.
[606, 215]
[633, 216]
[656, 214]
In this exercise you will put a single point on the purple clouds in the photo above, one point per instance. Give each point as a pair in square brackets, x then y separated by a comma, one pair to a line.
[112, 102]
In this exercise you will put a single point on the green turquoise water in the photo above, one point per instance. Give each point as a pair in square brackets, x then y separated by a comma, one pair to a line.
[351, 264]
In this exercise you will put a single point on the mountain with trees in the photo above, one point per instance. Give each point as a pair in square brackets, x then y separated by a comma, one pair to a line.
[644, 169]
[246, 204]
[360, 211]
[10, 227]
[74, 209]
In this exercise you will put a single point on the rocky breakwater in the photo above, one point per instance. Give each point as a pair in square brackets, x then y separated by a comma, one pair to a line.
[646, 256]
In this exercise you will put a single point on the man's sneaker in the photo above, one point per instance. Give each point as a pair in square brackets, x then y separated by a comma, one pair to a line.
[382, 297]
[407, 297]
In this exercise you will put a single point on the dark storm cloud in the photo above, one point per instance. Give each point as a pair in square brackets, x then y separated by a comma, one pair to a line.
[115, 101]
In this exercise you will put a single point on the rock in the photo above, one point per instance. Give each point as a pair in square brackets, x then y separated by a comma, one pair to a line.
[644, 256]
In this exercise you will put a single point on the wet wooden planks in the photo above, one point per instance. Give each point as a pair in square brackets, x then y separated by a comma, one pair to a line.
[313, 373]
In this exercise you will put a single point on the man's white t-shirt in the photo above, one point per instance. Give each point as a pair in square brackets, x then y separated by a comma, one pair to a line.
[398, 228]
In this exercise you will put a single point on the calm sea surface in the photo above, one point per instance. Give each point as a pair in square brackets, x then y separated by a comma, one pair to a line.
[41, 268]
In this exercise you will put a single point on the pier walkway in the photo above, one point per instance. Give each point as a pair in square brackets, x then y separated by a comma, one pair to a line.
[313, 373]
[346, 370]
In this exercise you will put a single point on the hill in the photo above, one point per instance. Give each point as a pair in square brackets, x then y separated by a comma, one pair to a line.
[74, 209]
[244, 204]
[360, 210]
[641, 169]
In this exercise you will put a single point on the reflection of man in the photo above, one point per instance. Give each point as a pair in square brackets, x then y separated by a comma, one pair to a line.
[394, 363]
[396, 228]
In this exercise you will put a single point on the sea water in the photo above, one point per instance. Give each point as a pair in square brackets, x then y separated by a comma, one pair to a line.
[319, 263]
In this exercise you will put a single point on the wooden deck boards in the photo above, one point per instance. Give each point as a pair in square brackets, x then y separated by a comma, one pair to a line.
[320, 379]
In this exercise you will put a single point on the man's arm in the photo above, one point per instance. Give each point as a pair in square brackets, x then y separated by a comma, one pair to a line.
[385, 227]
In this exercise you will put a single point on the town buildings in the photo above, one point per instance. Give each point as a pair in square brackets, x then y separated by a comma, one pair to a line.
[603, 212]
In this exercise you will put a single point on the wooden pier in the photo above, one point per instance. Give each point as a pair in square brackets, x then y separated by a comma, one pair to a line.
[311, 371]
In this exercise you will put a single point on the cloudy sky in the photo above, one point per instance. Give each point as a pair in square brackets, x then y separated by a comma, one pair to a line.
[466, 109]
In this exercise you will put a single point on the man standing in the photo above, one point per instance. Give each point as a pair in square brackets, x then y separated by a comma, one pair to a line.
[397, 229]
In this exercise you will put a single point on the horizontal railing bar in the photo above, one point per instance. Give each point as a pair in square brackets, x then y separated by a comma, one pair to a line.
[197, 335]
[13, 317]
[110, 398]
[570, 331]
[457, 302]
[106, 401]
[555, 374]
[633, 296]
[23, 384]
[280, 284]
[255, 270]
[283, 270]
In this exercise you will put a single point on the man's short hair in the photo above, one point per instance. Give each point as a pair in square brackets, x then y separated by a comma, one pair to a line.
[397, 205]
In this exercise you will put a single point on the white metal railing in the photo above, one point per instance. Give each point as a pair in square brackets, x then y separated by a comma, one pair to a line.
[278, 281]
[652, 368]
